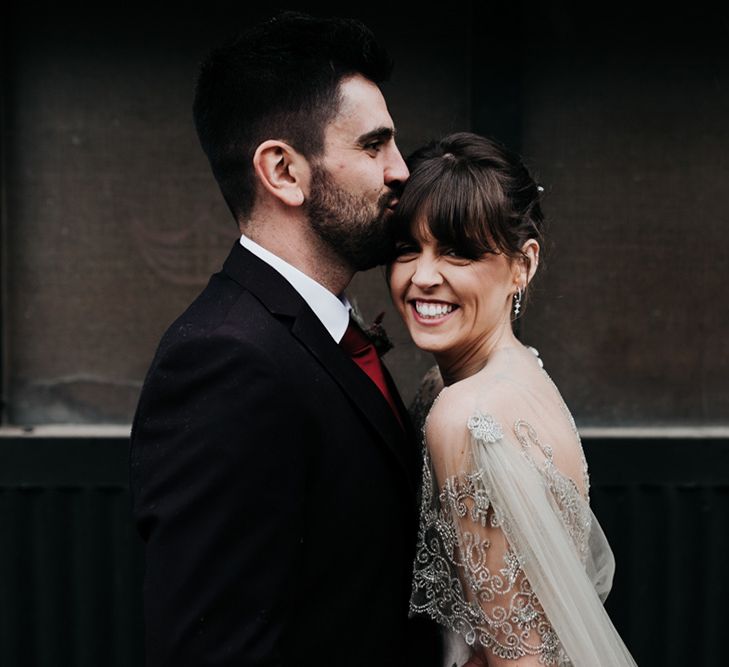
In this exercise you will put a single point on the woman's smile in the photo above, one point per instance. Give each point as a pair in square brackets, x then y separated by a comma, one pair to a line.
[454, 307]
[430, 312]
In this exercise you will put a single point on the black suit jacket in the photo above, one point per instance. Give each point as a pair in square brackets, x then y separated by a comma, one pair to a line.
[274, 489]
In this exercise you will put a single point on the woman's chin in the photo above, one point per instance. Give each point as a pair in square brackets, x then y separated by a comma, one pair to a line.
[428, 342]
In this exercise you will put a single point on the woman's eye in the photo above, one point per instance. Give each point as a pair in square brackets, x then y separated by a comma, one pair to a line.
[452, 255]
[404, 251]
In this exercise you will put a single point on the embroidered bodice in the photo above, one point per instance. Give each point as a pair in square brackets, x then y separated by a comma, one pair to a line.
[501, 522]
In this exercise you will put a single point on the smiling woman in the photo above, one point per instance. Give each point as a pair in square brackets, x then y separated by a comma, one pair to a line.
[453, 306]
[467, 235]
[511, 562]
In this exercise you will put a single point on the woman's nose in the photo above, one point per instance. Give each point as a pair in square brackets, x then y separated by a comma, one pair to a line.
[426, 273]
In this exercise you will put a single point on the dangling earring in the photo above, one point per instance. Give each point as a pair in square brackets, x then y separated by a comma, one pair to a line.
[517, 302]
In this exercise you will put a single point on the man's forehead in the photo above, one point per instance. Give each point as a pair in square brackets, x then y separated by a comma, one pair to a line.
[362, 108]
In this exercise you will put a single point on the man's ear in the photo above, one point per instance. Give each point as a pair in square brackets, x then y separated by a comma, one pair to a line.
[282, 171]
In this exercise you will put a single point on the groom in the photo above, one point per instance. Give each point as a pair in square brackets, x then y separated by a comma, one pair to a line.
[273, 481]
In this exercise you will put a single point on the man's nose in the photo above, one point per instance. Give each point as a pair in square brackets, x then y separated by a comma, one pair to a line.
[396, 170]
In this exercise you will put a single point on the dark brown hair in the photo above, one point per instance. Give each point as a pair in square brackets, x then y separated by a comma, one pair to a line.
[475, 196]
[277, 80]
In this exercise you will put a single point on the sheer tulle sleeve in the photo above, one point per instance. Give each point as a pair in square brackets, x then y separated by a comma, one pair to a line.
[509, 556]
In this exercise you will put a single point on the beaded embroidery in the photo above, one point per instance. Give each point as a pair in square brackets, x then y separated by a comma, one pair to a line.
[456, 580]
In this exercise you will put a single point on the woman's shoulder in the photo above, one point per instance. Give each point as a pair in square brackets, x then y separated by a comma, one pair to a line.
[461, 405]
[489, 390]
[490, 401]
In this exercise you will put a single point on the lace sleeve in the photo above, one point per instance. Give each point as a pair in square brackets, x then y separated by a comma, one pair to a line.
[467, 576]
[497, 563]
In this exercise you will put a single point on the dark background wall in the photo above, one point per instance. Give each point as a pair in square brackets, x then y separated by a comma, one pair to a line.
[111, 223]
[627, 123]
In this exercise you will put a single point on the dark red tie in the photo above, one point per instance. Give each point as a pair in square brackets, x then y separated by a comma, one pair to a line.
[364, 354]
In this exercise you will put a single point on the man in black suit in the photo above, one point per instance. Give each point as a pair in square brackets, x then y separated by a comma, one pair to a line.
[273, 481]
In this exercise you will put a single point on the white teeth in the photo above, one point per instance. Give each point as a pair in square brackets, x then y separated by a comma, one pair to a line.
[433, 309]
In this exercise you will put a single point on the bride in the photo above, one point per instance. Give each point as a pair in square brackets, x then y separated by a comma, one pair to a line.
[510, 561]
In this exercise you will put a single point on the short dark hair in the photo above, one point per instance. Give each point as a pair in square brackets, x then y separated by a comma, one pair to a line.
[476, 196]
[277, 80]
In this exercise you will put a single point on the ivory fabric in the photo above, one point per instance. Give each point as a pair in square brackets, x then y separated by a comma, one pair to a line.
[511, 561]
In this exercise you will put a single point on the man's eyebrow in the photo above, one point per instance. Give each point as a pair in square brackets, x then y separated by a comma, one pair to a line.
[379, 134]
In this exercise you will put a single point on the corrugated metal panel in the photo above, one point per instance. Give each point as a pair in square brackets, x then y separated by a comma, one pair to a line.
[670, 537]
[71, 562]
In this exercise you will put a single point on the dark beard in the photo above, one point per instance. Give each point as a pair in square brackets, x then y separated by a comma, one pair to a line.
[355, 228]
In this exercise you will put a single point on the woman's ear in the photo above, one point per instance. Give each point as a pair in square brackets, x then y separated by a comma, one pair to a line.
[527, 264]
[282, 171]
[531, 250]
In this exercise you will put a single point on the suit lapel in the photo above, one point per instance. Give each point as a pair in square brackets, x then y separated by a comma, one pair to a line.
[363, 393]
[281, 299]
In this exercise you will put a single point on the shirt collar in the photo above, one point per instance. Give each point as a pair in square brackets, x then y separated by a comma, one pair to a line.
[332, 311]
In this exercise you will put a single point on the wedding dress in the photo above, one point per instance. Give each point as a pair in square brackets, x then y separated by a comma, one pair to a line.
[510, 560]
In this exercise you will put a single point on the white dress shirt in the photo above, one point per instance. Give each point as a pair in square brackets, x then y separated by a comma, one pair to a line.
[332, 311]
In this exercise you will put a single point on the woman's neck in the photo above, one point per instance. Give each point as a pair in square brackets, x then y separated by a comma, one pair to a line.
[458, 365]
